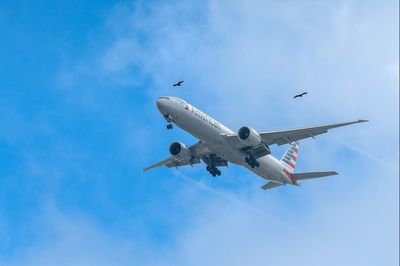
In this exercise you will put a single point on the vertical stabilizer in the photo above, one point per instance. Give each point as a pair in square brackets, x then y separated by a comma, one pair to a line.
[290, 157]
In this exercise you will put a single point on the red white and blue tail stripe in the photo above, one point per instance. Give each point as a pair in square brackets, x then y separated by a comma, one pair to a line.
[290, 157]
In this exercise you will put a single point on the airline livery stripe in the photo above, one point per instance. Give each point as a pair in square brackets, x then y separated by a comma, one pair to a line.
[291, 164]
[294, 157]
[287, 173]
[288, 164]
[290, 176]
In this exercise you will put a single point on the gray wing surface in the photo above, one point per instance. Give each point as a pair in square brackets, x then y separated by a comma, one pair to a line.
[198, 151]
[310, 175]
[281, 137]
[287, 136]
[171, 162]
[270, 185]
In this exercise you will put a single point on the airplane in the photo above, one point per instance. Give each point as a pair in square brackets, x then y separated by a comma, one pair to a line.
[219, 145]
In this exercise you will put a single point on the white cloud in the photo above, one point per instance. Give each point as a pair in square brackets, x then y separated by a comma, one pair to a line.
[74, 240]
[330, 228]
[242, 62]
[259, 54]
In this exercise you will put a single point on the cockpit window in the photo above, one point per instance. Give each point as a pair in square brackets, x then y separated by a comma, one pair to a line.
[164, 97]
[181, 101]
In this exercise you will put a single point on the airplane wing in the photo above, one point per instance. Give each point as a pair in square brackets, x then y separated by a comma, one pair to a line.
[288, 136]
[169, 162]
[198, 151]
[281, 137]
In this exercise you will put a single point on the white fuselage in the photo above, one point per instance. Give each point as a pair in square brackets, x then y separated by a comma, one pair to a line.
[211, 132]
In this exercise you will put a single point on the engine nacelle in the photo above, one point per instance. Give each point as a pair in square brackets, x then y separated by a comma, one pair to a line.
[249, 136]
[180, 151]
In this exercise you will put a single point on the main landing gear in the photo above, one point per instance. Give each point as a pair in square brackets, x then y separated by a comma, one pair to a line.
[250, 160]
[213, 170]
[169, 126]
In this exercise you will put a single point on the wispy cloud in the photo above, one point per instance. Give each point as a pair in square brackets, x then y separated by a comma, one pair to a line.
[251, 58]
[241, 62]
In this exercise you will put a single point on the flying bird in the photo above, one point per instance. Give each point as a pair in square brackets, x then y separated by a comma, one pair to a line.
[178, 83]
[300, 95]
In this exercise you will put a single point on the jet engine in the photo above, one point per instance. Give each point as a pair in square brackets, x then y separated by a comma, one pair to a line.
[180, 151]
[249, 136]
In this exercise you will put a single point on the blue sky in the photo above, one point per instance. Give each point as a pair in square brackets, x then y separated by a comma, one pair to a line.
[78, 123]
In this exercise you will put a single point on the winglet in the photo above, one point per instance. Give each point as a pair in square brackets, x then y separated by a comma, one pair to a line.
[362, 120]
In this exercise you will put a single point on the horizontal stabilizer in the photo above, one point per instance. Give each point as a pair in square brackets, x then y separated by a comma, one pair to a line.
[310, 175]
[270, 185]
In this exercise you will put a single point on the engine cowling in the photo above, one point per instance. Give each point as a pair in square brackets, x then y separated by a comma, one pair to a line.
[180, 151]
[249, 136]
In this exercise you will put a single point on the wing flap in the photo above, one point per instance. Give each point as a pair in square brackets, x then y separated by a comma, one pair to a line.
[310, 175]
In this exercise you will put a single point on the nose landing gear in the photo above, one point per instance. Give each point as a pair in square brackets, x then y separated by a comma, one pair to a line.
[250, 160]
[169, 125]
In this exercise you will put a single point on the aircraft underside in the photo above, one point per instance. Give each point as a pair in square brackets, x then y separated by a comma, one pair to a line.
[219, 145]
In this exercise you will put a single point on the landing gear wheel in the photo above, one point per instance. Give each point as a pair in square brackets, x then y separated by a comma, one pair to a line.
[252, 162]
[213, 170]
[168, 118]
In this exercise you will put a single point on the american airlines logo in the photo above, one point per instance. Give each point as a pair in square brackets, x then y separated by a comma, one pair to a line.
[206, 118]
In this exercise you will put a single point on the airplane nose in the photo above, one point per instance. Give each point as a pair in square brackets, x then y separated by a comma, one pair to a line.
[162, 104]
[159, 103]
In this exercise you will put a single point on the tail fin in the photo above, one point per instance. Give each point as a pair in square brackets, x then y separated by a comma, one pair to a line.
[290, 157]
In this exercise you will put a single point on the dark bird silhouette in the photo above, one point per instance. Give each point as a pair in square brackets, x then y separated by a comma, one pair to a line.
[300, 95]
[178, 83]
